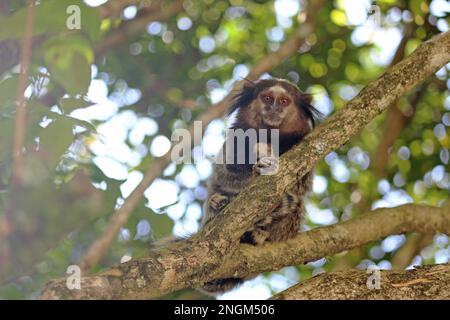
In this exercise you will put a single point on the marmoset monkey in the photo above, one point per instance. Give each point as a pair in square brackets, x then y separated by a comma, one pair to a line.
[265, 104]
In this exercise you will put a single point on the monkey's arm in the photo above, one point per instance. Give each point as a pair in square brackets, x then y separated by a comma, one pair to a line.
[226, 182]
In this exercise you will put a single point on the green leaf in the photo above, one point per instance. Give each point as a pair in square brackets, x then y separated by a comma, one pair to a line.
[55, 139]
[39, 111]
[8, 109]
[7, 134]
[8, 88]
[11, 292]
[51, 17]
[70, 104]
[69, 59]
[82, 123]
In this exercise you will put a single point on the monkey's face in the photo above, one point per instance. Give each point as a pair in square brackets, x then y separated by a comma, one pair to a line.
[275, 105]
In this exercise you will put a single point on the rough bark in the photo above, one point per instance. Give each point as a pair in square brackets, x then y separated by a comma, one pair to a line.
[183, 265]
[422, 283]
[201, 258]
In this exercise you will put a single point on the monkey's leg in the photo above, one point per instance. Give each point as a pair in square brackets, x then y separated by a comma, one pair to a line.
[287, 218]
[283, 223]
[259, 233]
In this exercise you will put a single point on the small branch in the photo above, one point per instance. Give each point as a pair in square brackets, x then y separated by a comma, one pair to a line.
[423, 283]
[395, 119]
[414, 244]
[187, 264]
[20, 125]
[395, 122]
[99, 248]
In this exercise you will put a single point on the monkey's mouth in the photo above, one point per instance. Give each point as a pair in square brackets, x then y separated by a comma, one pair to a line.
[273, 120]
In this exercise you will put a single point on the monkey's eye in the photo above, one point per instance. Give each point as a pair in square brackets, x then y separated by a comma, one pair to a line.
[267, 98]
[284, 101]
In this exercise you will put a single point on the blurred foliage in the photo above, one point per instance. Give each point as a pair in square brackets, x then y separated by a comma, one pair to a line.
[164, 76]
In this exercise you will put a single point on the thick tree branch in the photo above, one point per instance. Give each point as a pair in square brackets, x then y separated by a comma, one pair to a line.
[160, 274]
[427, 282]
[201, 258]
[117, 37]
[99, 248]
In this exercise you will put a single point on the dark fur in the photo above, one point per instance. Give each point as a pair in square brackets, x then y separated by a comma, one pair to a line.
[229, 179]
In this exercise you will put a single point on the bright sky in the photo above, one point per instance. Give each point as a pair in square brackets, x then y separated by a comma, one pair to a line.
[115, 158]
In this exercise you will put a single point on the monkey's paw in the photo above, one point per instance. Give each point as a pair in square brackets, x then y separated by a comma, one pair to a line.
[266, 166]
[218, 201]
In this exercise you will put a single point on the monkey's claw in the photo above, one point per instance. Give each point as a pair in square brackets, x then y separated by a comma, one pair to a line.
[258, 236]
[218, 201]
[266, 166]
